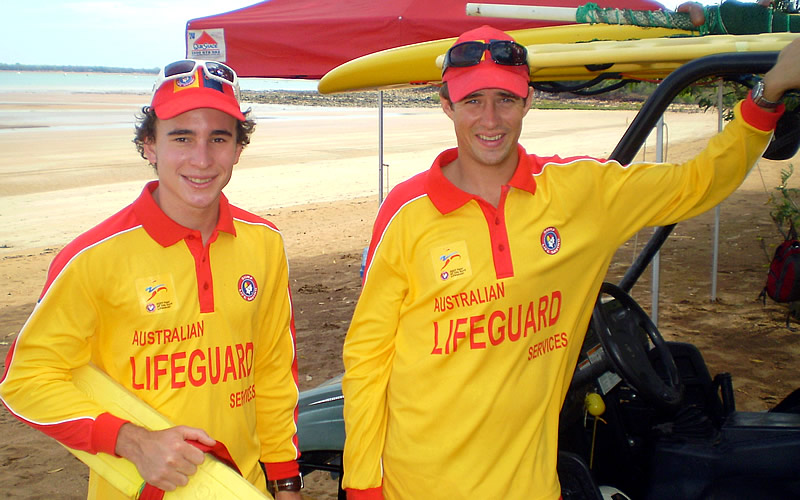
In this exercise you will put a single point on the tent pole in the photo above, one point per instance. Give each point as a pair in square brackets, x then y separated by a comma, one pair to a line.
[656, 262]
[715, 250]
[380, 147]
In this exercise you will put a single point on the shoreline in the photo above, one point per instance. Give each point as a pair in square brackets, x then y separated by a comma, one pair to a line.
[425, 97]
[421, 97]
[408, 97]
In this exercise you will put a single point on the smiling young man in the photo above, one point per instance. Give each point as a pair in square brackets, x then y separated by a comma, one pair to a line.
[481, 277]
[488, 123]
[180, 297]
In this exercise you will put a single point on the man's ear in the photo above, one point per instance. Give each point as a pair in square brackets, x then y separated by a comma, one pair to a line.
[239, 149]
[528, 100]
[447, 106]
[149, 148]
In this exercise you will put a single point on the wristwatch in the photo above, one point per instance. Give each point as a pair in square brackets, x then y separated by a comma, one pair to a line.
[758, 97]
[289, 484]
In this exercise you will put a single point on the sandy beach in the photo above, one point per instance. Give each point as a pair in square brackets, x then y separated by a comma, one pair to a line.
[67, 162]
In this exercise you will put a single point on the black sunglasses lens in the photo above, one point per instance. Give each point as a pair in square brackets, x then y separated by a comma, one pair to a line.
[220, 70]
[178, 67]
[519, 55]
[508, 53]
[466, 54]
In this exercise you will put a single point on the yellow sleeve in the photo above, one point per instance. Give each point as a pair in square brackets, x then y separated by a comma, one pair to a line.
[38, 386]
[277, 392]
[679, 192]
[368, 354]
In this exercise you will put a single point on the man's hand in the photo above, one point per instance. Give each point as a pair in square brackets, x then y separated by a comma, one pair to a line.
[288, 495]
[698, 16]
[163, 458]
[785, 75]
[696, 13]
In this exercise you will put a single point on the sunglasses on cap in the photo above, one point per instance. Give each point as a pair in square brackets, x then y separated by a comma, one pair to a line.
[503, 52]
[188, 67]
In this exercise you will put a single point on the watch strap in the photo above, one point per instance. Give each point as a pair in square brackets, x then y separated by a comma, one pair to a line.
[288, 484]
[758, 97]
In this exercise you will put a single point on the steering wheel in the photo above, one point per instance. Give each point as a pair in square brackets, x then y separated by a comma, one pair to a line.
[624, 329]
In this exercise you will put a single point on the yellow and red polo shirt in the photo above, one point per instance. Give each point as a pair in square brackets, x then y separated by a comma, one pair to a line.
[471, 317]
[203, 334]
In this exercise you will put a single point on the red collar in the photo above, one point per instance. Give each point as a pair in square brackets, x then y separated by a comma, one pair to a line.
[446, 197]
[165, 231]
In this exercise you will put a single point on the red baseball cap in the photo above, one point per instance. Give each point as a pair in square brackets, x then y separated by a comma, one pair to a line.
[192, 91]
[462, 81]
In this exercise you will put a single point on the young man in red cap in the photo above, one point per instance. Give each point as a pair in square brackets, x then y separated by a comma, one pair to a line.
[481, 278]
[180, 297]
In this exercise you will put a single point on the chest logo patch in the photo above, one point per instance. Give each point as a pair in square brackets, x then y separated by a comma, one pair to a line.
[156, 293]
[451, 262]
[551, 240]
[248, 288]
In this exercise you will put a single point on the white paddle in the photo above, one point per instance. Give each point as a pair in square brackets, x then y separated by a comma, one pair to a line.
[539, 13]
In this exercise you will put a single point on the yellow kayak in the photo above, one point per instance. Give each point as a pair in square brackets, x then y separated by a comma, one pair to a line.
[559, 53]
[416, 64]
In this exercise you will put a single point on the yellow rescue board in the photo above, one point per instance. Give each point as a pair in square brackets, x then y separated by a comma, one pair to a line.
[416, 64]
[652, 58]
[213, 480]
[651, 54]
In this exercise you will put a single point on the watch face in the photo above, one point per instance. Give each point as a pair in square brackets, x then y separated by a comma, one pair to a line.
[758, 90]
[758, 96]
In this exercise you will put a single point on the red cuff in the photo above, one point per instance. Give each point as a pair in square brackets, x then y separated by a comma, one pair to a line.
[282, 470]
[370, 494]
[104, 433]
[760, 118]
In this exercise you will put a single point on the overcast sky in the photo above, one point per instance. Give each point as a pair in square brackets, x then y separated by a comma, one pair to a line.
[121, 33]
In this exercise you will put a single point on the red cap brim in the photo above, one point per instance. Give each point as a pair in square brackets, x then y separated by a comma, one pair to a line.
[462, 82]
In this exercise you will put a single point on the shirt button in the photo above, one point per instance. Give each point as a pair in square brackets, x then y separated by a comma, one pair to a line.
[497, 221]
[501, 247]
[205, 286]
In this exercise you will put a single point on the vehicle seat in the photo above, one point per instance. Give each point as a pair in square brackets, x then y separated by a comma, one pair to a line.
[713, 396]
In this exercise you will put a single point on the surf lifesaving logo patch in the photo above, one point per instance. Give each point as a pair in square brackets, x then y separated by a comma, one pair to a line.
[156, 293]
[451, 262]
[551, 240]
[248, 288]
[186, 82]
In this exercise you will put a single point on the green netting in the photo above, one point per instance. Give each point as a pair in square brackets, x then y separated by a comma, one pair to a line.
[592, 14]
[731, 17]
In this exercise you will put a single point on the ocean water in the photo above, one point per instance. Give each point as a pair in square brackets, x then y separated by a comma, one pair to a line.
[15, 118]
[47, 81]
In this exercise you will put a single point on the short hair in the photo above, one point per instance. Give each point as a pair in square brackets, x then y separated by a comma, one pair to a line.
[146, 129]
[444, 93]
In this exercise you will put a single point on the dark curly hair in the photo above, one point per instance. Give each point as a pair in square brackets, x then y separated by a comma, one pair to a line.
[146, 129]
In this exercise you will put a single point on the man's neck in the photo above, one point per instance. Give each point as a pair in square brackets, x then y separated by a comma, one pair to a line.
[202, 220]
[485, 181]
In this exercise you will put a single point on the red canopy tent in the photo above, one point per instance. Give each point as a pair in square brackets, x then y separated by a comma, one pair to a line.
[308, 38]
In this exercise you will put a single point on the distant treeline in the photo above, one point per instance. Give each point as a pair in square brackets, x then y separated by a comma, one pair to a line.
[74, 69]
